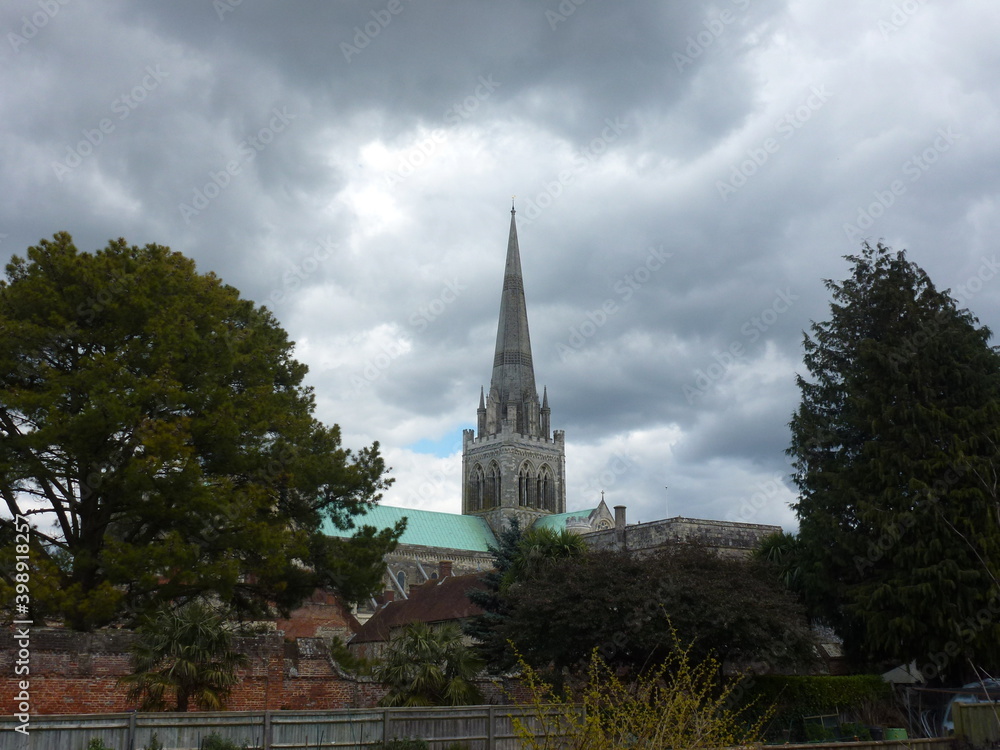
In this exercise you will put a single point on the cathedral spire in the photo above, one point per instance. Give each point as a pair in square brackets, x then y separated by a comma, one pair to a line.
[514, 463]
[513, 382]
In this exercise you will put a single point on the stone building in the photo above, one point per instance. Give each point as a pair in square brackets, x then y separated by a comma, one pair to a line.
[514, 466]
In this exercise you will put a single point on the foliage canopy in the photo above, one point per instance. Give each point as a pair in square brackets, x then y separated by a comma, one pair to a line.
[626, 607]
[895, 448]
[156, 432]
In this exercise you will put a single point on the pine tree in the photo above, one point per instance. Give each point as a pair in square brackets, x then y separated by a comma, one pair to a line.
[895, 455]
[483, 629]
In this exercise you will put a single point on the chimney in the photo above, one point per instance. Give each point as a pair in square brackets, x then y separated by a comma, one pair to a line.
[388, 595]
[444, 568]
[620, 542]
[620, 517]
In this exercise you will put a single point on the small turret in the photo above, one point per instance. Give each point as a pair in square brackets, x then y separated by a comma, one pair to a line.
[546, 413]
[481, 414]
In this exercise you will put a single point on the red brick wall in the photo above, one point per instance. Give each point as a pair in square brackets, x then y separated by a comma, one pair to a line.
[78, 673]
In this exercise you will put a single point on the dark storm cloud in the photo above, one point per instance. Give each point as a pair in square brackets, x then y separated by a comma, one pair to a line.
[686, 177]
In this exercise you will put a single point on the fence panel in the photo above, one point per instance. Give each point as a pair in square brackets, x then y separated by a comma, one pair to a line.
[65, 732]
[978, 723]
[350, 730]
[476, 727]
[187, 730]
[441, 726]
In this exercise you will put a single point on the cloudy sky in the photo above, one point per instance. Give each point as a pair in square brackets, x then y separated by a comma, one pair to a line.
[686, 174]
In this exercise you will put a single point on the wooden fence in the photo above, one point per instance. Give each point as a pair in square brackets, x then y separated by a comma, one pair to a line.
[475, 727]
[977, 723]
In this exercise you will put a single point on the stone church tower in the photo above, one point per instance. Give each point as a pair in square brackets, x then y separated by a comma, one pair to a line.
[513, 464]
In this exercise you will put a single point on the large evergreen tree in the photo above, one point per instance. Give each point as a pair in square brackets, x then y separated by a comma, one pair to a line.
[156, 433]
[895, 455]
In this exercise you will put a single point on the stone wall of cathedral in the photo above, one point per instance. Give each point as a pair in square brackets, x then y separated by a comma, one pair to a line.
[726, 537]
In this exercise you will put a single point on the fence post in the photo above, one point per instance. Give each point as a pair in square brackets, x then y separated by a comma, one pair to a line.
[266, 739]
[385, 725]
[130, 740]
[490, 729]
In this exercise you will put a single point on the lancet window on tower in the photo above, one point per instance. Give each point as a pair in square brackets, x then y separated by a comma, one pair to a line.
[545, 490]
[477, 493]
[492, 495]
[526, 491]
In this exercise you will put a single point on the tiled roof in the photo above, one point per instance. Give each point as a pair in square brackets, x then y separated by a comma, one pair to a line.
[438, 600]
[557, 521]
[427, 528]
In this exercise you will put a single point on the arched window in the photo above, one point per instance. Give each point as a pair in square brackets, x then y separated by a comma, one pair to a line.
[401, 580]
[477, 489]
[526, 486]
[492, 494]
[545, 489]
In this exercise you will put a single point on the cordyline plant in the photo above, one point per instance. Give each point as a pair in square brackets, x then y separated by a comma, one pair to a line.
[678, 705]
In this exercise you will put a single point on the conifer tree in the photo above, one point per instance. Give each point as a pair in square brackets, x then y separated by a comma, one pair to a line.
[895, 455]
[157, 436]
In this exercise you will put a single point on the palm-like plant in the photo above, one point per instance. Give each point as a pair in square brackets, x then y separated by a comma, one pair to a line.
[538, 548]
[429, 666]
[183, 655]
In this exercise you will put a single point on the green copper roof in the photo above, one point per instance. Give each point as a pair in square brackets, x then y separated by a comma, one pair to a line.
[557, 521]
[428, 528]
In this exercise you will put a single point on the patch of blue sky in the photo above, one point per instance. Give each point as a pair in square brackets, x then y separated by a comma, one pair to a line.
[448, 445]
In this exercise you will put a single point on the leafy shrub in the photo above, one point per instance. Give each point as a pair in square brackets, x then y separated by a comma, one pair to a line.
[853, 730]
[402, 743]
[681, 704]
[96, 743]
[217, 742]
[795, 696]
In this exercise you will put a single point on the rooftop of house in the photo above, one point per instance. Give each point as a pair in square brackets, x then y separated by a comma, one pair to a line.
[437, 600]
